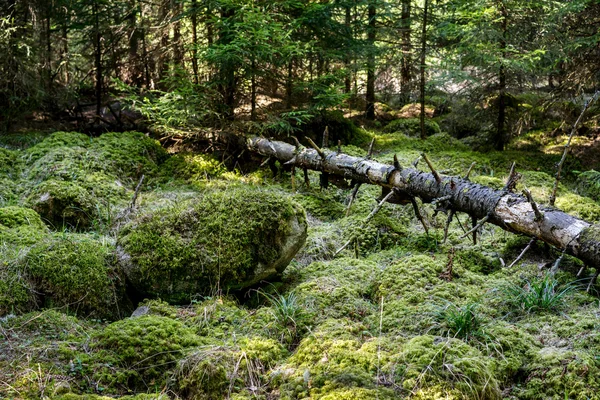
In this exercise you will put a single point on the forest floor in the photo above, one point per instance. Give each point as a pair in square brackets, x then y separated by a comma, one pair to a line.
[399, 315]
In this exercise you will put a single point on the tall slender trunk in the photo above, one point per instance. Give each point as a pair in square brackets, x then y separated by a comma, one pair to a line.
[347, 55]
[371, 36]
[406, 63]
[289, 83]
[97, 56]
[144, 46]
[48, 68]
[64, 51]
[164, 55]
[134, 71]
[195, 40]
[501, 131]
[422, 68]
[177, 45]
[227, 68]
[253, 91]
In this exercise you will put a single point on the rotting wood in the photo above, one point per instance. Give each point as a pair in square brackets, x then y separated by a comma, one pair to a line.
[510, 211]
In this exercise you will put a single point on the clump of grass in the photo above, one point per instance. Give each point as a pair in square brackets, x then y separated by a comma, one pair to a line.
[537, 294]
[289, 314]
[460, 322]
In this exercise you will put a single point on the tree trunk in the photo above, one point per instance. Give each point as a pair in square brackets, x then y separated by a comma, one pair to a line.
[422, 69]
[347, 58]
[177, 45]
[509, 211]
[164, 53]
[227, 67]
[500, 139]
[195, 40]
[371, 35]
[97, 57]
[405, 67]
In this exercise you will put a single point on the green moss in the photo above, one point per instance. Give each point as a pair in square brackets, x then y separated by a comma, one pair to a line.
[325, 205]
[578, 206]
[447, 365]
[412, 127]
[8, 162]
[63, 203]
[224, 238]
[476, 261]
[14, 217]
[17, 294]
[129, 155]
[76, 272]
[191, 168]
[489, 181]
[360, 394]
[138, 353]
[55, 141]
[588, 184]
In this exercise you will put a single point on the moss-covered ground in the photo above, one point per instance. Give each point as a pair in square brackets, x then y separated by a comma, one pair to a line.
[399, 314]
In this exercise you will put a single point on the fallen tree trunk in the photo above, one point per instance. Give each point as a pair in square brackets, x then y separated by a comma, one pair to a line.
[510, 211]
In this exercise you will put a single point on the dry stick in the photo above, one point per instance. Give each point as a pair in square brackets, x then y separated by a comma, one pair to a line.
[513, 178]
[306, 179]
[557, 262]
[593, 281]
[416, 162]
[293, 176]
[531, 242]
[469, 171]
[137, 192]
[339, 148]
[474, 224]
[418, 213]
[265, 162]
[476, 227]
[314, 146]
[357, 185]
[325, 142]
[366, 221]
[437, 177]
[564, 156]
[450, 216]
[539, 216]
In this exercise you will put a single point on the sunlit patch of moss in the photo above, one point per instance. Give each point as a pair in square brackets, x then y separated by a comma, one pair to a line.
[588, 184]
[581, 207]
[76, 271]
[489, 181]
[447, 365]
[191, 167]
[210, 371]
[218, 317]
[360, 394]
[333, 358]
[476, 261]
[230, 239]
[325, 205]
[139, 353]
[20, 226]
[17, 294]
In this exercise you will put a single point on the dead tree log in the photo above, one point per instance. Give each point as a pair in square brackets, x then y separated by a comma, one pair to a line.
[510, 211]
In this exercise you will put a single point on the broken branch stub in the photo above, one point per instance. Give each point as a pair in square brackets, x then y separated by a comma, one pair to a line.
[510, 211]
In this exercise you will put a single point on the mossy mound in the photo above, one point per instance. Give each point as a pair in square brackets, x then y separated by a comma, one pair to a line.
[75, 271]
[225, 239]
[135, 353]
[448, 367]
[54, 141]
[20, 226]
[16, 290]
[63, 203]
[8, 162]
[339, 288]
[242, 369]
[191, 168]
[129, 154]
[412, 127]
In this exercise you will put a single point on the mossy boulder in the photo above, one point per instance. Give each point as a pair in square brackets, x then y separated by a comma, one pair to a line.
[16, 290]
[62, 203]
[75, 271]
[226, 239]
[20, 226]
[133, 353]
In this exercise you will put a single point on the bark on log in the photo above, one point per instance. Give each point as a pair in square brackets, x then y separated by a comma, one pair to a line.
[507, 210]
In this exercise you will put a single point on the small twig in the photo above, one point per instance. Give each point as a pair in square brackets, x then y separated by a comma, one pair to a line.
[564, 156]
[325, 142]
[370, 151]
[293, 176]
[136, 193]
[447, 273]
[593, 281]
[520, 256]
[441, 199]
[437, 177]
[557, 262]
[450, 216]
[352, 198]
[513, 178]
[306, 179]
[265, 162]
[339, 148]
[581, 271]
[416, 162]
[297, 142]
[476, 227]
[539, 216]
[397, 165]
[314, 146]
[418, 213]
[366, 221]
[469, 171]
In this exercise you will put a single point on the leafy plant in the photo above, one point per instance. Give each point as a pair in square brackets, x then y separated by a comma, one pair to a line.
[288, 313]
[537, 294]
[462, 322]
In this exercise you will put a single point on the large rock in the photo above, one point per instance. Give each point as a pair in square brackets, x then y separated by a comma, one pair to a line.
[224, 239]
